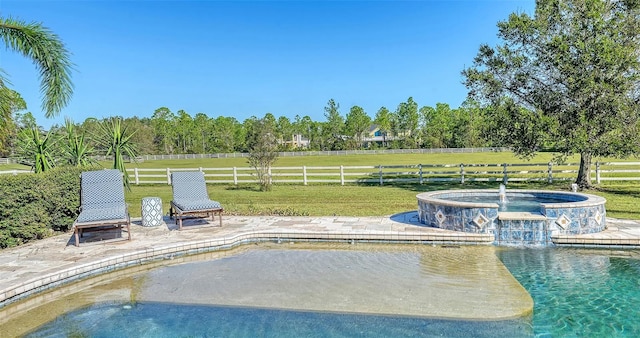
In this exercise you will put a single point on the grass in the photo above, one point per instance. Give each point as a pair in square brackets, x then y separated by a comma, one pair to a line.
[353, 160]
[623, 199]
[14, 166]
[364, 199]
[360, 199]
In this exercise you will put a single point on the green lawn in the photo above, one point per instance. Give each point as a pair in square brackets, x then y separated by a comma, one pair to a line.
[360, 199]
[354, 160]
[5, 167]
[363, 200]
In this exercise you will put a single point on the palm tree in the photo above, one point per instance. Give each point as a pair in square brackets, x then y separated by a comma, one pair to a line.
[116, 139]
[50, 57]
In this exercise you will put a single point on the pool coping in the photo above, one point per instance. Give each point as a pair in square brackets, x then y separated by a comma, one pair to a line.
[592, 200]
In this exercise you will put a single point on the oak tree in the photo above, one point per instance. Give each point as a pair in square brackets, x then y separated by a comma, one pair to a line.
[566, 77]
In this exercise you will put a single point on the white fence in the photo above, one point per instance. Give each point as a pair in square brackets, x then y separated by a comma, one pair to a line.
[420, 173]
[383, 174]
[15, 172]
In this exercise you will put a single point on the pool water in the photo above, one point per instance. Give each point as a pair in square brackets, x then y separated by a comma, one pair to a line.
[593, 293]
[171, 320]
[580, 293]
[513, 204]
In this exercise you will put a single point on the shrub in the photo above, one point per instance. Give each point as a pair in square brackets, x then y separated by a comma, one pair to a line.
[34, 206]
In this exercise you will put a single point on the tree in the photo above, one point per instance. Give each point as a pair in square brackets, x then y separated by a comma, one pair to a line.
[202, 126]
[332, 133]
[357, 124]
[437, 125]
[284, 131]
[263, 146]
[50, 57]
[567, 76]
[116, 139]
[226, 135]
[184, 127]
[308, 128]
[383, 120]
[162, 122]
[143, 136]
[10, 102]
[25, 120]
[471, 124]
[407, 114]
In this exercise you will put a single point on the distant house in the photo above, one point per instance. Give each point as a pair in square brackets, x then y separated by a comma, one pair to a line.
[376, 136]
[374, 130]
[297, 141]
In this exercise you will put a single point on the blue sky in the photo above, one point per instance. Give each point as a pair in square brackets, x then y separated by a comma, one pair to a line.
[249, 58]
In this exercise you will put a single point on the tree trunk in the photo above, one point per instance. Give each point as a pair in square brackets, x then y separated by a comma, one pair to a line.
[584, 173]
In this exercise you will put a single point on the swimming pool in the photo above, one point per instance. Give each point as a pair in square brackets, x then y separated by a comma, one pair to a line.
[575, 292]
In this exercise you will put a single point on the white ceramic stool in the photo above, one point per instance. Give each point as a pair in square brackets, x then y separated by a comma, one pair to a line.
[151, 211]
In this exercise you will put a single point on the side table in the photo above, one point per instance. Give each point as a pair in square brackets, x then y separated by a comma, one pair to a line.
[151, 211]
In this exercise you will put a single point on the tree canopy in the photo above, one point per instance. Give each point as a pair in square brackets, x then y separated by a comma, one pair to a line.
[564, 78]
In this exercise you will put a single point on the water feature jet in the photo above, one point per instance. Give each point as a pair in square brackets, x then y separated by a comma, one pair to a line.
[502, 194]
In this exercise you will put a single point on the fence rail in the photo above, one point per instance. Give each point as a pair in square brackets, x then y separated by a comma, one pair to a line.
[384, 174]
[419, 173]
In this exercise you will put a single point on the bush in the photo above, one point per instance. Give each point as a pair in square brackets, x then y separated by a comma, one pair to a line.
[35, 206]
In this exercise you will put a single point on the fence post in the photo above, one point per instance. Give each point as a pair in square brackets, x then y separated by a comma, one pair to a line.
[598, 172]
[505, 176]
[270, 178]
[550, 172]
[461, 173]
[304, 174]
[235, 176]
[168, 176]
[135, 174]
[380, 174]
[420, 169]
[200, 169]
[341, 175]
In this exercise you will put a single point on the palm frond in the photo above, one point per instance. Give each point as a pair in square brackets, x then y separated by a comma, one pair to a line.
[50, 57]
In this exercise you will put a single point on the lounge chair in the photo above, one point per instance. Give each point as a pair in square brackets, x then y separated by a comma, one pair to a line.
[102, 204]
[190, 197]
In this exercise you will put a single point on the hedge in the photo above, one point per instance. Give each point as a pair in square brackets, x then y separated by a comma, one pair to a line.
[35, 206]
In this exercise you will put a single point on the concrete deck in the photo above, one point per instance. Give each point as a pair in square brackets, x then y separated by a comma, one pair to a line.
[48, 263]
